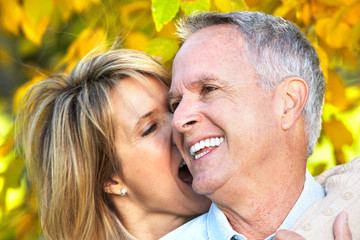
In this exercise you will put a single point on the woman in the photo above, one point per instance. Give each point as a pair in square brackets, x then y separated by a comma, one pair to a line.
[99, 151]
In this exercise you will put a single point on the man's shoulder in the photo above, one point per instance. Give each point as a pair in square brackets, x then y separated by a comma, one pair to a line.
[195, 229]
[342, 185]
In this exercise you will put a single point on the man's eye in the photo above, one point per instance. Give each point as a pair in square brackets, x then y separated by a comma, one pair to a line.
[151, 129]
[207, 89]
[173, 106]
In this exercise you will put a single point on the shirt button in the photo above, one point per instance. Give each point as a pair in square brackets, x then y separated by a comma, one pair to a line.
[347, 195]
[307, 227]
[328, 212]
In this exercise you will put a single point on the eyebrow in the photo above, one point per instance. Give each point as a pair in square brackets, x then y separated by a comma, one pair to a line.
[143, 117]
[204, 79]
[200, 81]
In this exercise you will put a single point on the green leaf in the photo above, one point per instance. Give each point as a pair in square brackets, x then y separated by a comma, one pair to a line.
[163, 49]
[163, 11]
[195, 6]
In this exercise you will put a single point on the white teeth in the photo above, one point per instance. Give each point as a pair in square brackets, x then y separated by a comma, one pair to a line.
[192, 150]
[201, 154]
[202, 144]
[197, 147]
[209, 142]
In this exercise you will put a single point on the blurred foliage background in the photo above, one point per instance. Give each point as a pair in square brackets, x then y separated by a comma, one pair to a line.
[42, 37]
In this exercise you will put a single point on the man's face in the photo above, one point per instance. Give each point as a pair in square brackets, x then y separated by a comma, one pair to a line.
[225, 122]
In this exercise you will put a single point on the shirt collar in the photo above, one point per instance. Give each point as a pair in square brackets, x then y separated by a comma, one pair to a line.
[311, 193]
[219, 227]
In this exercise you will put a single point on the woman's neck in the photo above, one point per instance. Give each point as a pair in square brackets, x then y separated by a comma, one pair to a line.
[146, 225]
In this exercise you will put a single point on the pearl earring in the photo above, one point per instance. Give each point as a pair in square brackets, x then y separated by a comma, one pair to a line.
[123, 191]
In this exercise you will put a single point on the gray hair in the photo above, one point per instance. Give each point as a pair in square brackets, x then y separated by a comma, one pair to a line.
[276, 49]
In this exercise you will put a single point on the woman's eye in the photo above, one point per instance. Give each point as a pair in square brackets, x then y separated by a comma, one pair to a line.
[207, 89]
[151, 129]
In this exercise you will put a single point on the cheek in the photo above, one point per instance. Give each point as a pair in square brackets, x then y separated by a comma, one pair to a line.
[154, 155]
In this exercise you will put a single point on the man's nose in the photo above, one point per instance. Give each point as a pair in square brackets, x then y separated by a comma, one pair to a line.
[186, 116]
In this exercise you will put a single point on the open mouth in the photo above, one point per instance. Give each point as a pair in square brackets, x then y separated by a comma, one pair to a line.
[203, 147]
[184, 174]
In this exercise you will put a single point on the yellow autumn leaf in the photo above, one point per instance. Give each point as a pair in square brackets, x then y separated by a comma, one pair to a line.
[324, 60]
[338, 133]
[6, 147]
[37, 10]
[354, 42]
[320, 10]
[11, 15]
[23, 89]
[230, 5]
[28, 220]
[353, 95]
[128, 10]
[80, 5]
[168, 31]
[321, 27]
[305, 14]
[338, 32]
[350, 59]
[89, 39]
[34, 32]
[335, 34]
[15, 196]
[350, 2]
[65, 8]
[335, 91]
[339, 156]
[352, 17]
[136, 40]
[253, 3]
[332, 2]
[285, 8]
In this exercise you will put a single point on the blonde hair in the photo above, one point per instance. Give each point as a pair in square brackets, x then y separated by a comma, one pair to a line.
[65, 128]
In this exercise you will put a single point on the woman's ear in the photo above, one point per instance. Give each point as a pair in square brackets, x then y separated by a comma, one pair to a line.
[115, 186]
[296, 92]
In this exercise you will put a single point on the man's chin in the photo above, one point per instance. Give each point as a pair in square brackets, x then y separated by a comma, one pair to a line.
[203, 187]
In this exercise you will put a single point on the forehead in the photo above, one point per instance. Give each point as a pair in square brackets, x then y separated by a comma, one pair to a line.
[211, 40]
[216, 51]
[133, 98]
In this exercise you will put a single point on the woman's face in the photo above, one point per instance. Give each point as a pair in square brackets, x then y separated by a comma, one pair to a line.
[150, 160]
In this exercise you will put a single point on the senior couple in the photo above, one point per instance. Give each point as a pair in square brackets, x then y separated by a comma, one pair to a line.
[246, 96]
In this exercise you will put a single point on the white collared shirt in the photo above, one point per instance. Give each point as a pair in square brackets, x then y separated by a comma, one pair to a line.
[214, 225]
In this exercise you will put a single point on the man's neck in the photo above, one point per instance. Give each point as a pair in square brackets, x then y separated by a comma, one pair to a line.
[258, 214]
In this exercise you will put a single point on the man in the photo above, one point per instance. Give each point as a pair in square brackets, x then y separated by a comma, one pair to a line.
[247, 95]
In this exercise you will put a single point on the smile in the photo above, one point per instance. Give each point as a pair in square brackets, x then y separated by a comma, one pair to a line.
[209, 142]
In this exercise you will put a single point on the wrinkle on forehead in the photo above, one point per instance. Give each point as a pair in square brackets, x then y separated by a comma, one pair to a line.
[222, 36]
